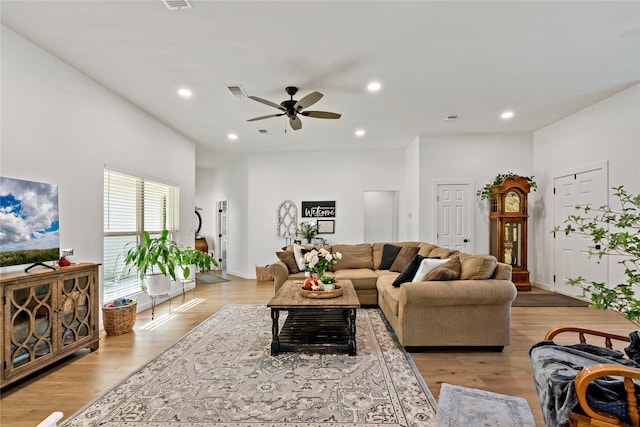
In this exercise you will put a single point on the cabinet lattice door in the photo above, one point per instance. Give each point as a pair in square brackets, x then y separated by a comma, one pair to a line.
[47, 315]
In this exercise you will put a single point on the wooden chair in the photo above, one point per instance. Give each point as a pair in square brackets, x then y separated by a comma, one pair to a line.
[593, 417]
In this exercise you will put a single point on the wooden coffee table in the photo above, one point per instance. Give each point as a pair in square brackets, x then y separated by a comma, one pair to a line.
[322, 323]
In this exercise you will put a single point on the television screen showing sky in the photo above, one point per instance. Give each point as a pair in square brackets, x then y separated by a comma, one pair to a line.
[28, 215]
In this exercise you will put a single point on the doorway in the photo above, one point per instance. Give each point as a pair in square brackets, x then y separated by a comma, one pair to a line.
[454, 215]
[585, 187]
[223, 230]
[380, 216]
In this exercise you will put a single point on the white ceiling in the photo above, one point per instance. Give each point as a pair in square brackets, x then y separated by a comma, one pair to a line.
[543, 60]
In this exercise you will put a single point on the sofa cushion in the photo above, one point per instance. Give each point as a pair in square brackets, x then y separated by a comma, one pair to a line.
[447, 271]
[389, 255]
[378, 247]
[442, 252]
[426, 266]
[390, 294]
[409, 271]
[426, 248]
[298, 252]
[362, 278]
[477, 267]
[289, 259]
[404, 257]
[354, 256]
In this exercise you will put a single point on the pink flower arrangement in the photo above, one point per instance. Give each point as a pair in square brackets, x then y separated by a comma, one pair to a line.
[319, 260]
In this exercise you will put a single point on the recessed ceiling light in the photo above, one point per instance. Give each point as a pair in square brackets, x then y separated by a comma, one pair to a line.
[360, 132]
[232, 136]
[374, 86]
[186, 93]
[507, 115]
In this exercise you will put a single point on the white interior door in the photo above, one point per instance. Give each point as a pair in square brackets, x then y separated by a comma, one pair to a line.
[380, 216]
[454, 223]
[572, 251]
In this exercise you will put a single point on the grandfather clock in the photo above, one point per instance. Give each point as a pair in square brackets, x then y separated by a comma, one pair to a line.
[508, 227]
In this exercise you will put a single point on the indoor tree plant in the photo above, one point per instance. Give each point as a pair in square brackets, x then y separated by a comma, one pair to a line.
[617, 232]
[484, 193]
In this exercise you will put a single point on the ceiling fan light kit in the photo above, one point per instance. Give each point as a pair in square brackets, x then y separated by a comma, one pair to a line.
[292, 108]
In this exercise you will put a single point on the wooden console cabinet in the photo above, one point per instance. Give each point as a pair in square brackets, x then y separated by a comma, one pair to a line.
[47, 315]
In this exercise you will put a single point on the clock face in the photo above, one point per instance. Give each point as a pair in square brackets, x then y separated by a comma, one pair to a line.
[512, 202]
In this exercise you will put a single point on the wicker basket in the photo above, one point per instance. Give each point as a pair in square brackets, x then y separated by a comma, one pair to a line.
[262, 274]
[119, 320]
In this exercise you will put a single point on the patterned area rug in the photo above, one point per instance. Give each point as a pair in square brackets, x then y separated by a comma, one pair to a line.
[222, 374]
[460, 406]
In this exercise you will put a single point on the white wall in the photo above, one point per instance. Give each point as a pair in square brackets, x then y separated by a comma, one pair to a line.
[476, 157]
[606, 131]
[231, 184]
[60, 127]
[410, 221]
[258, 185]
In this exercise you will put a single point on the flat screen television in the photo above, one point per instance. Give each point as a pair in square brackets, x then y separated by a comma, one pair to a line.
[29, 226]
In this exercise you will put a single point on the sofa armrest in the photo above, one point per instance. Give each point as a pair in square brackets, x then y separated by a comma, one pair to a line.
[502, 271]
[457, 292]
[280, 272]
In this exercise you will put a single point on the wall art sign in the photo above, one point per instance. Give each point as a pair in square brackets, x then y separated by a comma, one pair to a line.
[326, 226]
[325, 209]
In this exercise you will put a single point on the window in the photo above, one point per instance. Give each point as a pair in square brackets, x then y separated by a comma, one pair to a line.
[131, 205]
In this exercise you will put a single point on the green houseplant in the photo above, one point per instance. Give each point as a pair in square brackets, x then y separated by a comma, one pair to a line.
[308, 230]
[163, 259]
[484, 193]
[617, 231]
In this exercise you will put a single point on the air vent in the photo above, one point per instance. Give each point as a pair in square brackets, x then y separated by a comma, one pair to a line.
[451, 118]
[177, 4]
[264, 132]
[237, 91]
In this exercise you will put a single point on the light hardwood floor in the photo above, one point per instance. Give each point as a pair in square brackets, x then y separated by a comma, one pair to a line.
[71, 384]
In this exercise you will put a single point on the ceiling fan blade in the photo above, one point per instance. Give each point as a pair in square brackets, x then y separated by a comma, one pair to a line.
[308, 101]
[264, 101]
[321, 114]
[265, 117]
[295, 122]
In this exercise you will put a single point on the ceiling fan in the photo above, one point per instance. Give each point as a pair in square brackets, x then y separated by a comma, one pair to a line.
[293, 108]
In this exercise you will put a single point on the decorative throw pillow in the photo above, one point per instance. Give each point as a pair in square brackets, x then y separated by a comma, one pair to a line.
[409, 271]
[426, 266]
[298, 252]
[448, 271]
[389, 254]
[477, 267]
[289, 259]
[404, 257]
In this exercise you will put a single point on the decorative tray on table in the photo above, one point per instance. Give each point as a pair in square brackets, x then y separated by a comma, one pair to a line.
[322, 294]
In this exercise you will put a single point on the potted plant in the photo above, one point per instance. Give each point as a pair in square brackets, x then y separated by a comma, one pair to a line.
[159, 260]
[308, 230]
[617, 232]
[196, 258]
[485, 192]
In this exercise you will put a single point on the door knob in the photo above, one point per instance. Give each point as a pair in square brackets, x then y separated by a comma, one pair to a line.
[466, 240]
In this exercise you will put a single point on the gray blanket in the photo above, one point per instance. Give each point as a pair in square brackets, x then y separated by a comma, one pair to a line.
[555, 367]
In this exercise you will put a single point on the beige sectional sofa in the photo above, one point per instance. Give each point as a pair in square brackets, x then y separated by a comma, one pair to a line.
[474, 310]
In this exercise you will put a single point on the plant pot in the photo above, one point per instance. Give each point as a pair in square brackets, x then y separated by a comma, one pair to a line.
[158, 284]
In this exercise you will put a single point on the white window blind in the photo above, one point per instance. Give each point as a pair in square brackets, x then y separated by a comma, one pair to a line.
[132, 205]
